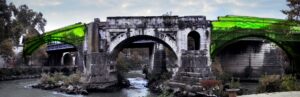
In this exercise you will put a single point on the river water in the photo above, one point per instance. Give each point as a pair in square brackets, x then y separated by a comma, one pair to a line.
[21, 88]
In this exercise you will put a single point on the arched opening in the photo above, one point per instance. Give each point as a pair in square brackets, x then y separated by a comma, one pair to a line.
[67, 59]
[145, 45]
[251, 57]
[60, 53]
[193, 41]
[139, 56]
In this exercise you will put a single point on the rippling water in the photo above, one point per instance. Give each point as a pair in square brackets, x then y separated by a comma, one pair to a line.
[21, 88]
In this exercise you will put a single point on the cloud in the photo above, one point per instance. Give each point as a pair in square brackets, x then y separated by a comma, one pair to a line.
[46, 2]
[40, 3]
[65, 12]
[125, 5]
[240, 3]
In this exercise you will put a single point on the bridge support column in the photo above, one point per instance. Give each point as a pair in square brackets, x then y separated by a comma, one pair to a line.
[99, 71]
[157, 59]
[194, 68]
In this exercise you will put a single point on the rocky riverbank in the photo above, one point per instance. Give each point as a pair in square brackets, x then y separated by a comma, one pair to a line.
[71, 84]
[62, 83]
[61, 87]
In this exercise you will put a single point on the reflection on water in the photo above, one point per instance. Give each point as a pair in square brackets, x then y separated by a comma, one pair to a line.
[21, 88]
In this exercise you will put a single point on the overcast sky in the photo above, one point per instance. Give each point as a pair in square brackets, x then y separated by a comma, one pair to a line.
[59, 13]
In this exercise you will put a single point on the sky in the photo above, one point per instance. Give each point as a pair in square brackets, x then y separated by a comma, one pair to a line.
[60, 13]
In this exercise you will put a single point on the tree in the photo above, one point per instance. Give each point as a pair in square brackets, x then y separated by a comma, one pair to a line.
[293, 12]
[7, 47]
[4, 20]
[16, 21]
[26, 21]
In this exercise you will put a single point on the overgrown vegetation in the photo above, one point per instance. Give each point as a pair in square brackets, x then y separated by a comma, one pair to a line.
[7, 47]
[166, 93]
[62, 83]
[59, 77]
[219, 73]
[226, 81]
[276, 83]
[234, 84]
[131, 59]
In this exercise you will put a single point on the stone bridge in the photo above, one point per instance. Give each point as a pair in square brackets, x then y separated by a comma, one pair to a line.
[104, 40]
[193, 39]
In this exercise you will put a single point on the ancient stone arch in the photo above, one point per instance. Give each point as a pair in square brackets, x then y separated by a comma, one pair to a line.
[104, 39]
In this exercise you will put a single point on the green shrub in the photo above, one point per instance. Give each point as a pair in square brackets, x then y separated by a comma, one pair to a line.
[234, 84]
[276, 83]
[58, 76]
[289, 83]
[269, 83]
[166, 93]
[46, 79]
[73, 78]
[225, 78]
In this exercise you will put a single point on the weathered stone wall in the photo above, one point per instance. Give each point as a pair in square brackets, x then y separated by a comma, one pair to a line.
[122, 28]
[171, 31]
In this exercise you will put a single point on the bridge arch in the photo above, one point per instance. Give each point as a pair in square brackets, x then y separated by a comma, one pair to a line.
[152, 66]
[116, 49]
[283, 33]
[128, 37]
[287, 68]
[225, 43]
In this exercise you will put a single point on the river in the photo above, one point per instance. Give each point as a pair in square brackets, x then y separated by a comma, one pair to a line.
[21, 88]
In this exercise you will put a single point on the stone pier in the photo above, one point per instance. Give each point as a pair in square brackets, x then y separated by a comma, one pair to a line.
[194, 68]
